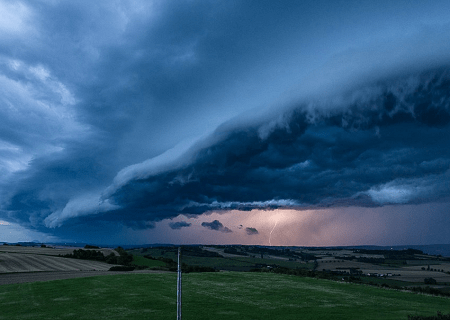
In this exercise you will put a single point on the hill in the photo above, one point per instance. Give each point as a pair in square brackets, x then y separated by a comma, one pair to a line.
[225, 295]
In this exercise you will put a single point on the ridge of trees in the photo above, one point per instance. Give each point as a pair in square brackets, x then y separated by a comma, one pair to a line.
[124, 257]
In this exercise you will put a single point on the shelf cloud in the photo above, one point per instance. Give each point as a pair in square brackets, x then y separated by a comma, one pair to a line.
[116, 116]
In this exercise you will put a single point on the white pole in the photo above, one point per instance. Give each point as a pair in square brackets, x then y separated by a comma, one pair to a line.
[179, 286]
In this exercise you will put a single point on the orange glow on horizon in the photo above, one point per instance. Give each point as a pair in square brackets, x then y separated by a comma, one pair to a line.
[345, 226]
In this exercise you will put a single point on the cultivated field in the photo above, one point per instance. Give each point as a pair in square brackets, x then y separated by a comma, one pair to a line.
[50, 251]
[18, 262]
[29, 264]
[28, 292]
[336, 264]
[33, 259]
[409, 274]
[410, 268]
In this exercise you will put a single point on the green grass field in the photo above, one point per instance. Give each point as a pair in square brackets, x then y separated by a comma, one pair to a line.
[243, 263]
[225, 295]
[141, 261]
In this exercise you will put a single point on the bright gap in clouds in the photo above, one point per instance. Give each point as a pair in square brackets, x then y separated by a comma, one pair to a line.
[12, 233]
[390, 225]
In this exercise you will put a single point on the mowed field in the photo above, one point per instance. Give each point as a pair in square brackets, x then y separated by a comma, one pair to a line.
[220, 295]
[416, 274]
[31, 264]
[407, 273]
[33, 259]
[18, 262]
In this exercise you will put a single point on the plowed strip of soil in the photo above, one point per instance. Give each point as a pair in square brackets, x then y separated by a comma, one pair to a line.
[23, 277]
[30, 262]
[10, 263]
[16, 262]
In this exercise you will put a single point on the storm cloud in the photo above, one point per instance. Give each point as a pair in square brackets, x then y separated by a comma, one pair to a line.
[384, 143]
[119, 115]
[178, 225]
[251, 231]
[216, 225]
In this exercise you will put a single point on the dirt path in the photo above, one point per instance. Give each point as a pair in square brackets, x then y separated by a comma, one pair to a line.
[23, 277]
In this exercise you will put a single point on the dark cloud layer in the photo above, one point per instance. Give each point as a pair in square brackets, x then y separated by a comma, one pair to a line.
[382, 143]
[99, 100]
[385, 143]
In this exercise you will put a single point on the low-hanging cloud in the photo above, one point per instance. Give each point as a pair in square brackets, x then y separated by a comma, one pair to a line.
[179, 224]
[216, 225]
[86, 205]
[379, 144]
[251, 231]
[385, 143]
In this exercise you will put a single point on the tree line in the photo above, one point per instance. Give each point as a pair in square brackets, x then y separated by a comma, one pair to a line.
[124, 257]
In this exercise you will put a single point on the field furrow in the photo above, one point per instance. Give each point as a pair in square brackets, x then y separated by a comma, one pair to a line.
[11, 263]
[16, 262]
[75, 264]
[57, 264]
[37, 263]
[7, 265]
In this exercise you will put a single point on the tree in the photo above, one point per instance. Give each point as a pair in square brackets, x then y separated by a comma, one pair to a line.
[429, 281]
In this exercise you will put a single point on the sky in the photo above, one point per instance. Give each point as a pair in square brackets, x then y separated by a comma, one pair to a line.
[307, 123]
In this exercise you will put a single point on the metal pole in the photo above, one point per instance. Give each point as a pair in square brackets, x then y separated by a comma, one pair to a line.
[179, 286]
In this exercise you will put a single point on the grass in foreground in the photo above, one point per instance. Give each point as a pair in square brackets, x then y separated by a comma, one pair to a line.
[227, 295]
[141, 261]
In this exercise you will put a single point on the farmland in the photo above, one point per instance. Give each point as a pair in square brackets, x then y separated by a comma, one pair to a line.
[35, 259]
[48, 251]
[406, 268]
[17, 262]
[403, 268]
[330, 284]
[222, 295]
[20, 264]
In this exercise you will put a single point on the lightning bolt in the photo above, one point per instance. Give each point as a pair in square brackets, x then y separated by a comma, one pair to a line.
[270, 235]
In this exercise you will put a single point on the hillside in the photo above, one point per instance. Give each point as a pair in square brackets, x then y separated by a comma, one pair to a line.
[225, 295]
[21, 264]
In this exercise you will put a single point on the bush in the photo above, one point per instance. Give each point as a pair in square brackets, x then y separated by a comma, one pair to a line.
[88, 246]
[429, 281]
[111, 258]
[430, 290]
[86, 255]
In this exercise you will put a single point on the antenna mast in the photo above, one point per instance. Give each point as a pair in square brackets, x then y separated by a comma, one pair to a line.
[179, 286]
